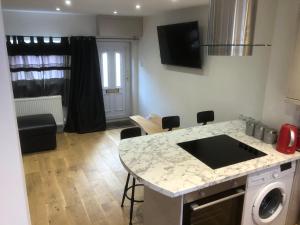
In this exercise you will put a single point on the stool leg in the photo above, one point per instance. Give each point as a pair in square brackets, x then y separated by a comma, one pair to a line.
[132, 201]
[125, 189]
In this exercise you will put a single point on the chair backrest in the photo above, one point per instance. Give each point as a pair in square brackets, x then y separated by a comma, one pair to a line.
[131, 132]
[170, 122]
[205, 117]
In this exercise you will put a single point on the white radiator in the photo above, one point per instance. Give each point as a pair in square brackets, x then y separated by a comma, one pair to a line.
[41, 105]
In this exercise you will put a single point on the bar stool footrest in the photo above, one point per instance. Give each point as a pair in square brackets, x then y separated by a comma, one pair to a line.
[129, 198]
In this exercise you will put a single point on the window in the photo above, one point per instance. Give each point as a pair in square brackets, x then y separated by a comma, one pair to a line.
[27, 40]
[57, 40]
[118, 69]
[40, 66]
[105, 69]
[46, 40]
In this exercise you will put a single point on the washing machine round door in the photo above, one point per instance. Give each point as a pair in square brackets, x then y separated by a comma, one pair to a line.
[269, 203]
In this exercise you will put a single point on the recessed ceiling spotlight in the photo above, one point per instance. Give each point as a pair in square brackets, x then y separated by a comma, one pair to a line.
[138, 6]
[115, 12]
[68, 2]
[57, 9]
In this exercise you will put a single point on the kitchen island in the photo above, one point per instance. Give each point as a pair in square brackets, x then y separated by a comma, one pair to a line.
[169, 173]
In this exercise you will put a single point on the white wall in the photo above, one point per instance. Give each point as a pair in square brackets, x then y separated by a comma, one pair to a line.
[44, 24]
[135, 77]
[59, 24]
[13, 199]
[228, 85]
[119, 26]
[276, 111]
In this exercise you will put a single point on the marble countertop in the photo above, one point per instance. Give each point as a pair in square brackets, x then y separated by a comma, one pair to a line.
[160, 164]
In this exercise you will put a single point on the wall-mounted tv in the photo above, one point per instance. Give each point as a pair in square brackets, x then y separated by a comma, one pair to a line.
[180, 44]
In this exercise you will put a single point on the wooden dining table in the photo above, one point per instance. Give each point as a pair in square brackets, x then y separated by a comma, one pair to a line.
[151, 125]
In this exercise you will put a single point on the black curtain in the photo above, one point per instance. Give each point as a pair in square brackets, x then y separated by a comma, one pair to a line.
[39, 68]
[86, 107]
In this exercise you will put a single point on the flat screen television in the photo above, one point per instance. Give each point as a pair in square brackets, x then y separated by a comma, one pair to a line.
[180, 44]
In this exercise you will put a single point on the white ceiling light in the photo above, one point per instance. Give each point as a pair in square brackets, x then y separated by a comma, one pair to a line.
[138, 6]
[115, 12]
[68, 2]
[57, 9]
[103, 7]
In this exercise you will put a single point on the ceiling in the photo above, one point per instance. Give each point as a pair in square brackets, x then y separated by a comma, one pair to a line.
[124, 7]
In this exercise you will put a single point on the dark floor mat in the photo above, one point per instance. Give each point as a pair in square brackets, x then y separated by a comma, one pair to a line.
[120, 124]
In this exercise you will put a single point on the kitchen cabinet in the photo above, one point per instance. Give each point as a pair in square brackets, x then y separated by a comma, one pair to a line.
[294, 76]
[293, 216]
[181, 189]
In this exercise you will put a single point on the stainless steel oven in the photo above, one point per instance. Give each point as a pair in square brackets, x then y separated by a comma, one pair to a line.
[221, 204]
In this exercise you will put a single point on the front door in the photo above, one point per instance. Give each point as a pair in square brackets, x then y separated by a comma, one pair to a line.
[115, 74]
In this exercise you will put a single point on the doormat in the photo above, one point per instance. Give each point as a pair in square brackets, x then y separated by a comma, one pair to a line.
[120, 124]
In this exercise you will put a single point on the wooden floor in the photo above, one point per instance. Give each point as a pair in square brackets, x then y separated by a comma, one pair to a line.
[80, 183]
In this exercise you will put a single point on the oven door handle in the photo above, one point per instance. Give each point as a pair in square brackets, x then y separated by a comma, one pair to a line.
[195, 207]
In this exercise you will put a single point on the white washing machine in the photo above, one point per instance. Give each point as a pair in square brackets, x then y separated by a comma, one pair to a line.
[267, 196]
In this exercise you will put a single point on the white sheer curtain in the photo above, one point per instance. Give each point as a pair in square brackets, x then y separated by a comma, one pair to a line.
[39, 66]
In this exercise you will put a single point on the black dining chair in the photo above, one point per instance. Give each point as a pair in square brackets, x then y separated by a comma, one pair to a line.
[205, 117]
[170, 122]
[130, 133]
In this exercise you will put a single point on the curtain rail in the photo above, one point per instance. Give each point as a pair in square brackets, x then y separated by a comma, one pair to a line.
[11, 35]
[97, 38]
[129, 39]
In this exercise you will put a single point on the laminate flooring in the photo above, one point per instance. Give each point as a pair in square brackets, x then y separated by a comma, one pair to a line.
[79, 183]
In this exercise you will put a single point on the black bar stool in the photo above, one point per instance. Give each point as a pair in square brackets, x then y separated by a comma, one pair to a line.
[130, 133]
[205, 117]
[170, 122]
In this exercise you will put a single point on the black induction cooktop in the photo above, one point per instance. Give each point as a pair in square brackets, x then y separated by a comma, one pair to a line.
[220, 151]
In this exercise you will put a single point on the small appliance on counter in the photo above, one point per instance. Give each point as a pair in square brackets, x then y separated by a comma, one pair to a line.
[287, 140]
[298, 141]
[261, 132]
[270, 136]
[250, 128]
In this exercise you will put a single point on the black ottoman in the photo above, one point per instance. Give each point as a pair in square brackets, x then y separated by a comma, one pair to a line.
[37, 133]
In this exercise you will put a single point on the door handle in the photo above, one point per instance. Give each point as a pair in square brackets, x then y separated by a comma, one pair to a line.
[195, 207]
